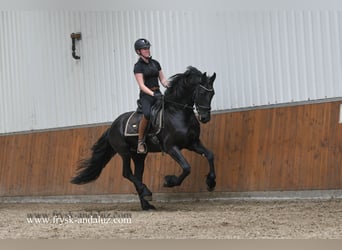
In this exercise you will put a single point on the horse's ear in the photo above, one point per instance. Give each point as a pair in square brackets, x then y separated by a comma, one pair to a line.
[213, 77]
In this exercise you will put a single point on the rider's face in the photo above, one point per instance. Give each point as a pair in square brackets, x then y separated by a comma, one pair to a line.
[145, 52]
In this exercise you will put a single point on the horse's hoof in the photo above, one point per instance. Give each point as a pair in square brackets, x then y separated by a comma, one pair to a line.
[148, 207]
[170, 181]
[211, 184]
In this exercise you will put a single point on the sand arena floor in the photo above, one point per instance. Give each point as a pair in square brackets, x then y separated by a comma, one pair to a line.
[299, 219]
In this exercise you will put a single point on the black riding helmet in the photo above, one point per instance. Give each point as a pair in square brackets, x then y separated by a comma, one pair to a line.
[141, 43]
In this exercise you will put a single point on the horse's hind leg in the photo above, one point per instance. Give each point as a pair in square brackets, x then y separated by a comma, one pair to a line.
[211, 177]
[139, 166]
[139, 186]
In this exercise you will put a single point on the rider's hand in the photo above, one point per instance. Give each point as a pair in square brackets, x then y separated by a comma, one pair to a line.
[157, 95]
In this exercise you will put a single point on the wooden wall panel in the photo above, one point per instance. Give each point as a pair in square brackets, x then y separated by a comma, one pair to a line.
[283, 148]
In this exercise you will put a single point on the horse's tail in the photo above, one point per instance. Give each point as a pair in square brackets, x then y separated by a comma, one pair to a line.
[90, 169]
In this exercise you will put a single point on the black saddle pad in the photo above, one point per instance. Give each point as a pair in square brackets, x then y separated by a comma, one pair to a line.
[154, 127]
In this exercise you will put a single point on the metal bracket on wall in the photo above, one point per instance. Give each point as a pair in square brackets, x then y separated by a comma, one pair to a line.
[74, 37]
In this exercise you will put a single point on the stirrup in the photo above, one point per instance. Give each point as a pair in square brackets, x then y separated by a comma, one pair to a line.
[141, 148]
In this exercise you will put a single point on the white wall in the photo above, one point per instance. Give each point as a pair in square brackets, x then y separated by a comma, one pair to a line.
[261, 56]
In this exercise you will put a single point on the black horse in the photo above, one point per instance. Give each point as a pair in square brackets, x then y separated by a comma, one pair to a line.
[181, 130]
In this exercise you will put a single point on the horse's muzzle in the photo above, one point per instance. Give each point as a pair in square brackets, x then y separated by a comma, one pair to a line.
[204, 118]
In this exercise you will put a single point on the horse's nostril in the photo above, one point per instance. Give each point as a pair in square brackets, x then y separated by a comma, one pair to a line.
[204, 119]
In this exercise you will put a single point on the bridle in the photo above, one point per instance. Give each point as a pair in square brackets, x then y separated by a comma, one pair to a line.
[199, 107]
[195, 96]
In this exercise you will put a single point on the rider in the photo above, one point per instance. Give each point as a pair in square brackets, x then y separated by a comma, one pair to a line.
[147, 71]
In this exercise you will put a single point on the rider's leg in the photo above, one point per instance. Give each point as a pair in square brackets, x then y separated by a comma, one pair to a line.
[141, 149]
[146, 104]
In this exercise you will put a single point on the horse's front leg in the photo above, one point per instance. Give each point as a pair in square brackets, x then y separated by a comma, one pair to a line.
[211, 177]
[172, 180]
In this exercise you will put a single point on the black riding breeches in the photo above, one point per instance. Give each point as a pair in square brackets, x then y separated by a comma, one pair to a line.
[147, 102]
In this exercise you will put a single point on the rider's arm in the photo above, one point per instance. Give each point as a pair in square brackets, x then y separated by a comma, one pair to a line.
[163, 80]
[140, 79]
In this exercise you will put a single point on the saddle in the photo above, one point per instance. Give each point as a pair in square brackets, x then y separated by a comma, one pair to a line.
[155, 122]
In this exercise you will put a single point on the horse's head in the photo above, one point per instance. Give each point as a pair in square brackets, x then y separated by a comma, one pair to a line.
[203, 95]
[192, 88]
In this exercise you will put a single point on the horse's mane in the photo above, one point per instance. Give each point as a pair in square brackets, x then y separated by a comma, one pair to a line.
[182, 83]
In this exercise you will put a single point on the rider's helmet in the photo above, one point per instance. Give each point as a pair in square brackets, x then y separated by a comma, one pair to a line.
[141, 43]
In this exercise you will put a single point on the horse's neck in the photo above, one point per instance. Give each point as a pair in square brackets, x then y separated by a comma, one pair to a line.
[185, 100]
